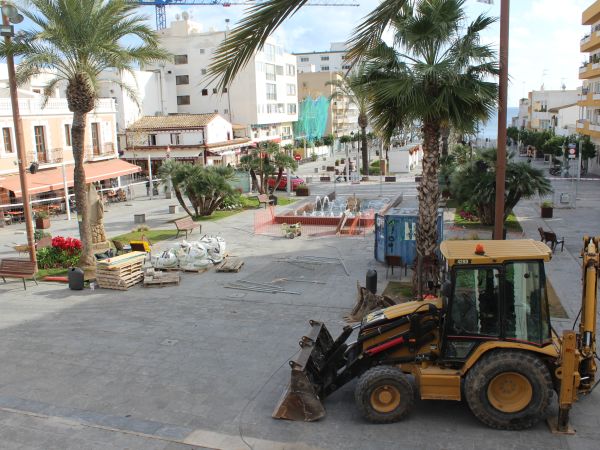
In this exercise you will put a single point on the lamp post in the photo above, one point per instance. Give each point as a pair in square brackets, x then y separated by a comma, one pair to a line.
[502, 101]
[11, 15]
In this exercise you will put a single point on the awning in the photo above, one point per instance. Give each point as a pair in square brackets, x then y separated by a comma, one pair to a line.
[52, 179]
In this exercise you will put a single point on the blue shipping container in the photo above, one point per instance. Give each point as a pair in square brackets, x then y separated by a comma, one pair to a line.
[396, 233]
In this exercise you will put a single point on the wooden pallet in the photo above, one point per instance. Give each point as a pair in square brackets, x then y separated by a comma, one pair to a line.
[120, 272]
[164, 279]
[120, 284]
[120, 261]
[230, 265]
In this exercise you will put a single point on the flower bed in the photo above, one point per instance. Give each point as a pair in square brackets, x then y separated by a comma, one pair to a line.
[64, 253]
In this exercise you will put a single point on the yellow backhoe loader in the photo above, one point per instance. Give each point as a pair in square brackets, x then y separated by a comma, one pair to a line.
[486, 339]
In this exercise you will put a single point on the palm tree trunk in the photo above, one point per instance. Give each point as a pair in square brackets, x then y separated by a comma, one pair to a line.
[277, 181]
[181, 200]
[429, 192]
[365, 151]
[81, 189]
[445, 131]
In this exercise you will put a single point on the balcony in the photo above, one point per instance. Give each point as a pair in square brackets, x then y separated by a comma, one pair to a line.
[589, 70]
[590, 99]
[35, 106]
[591, 15]
[101, 152]
[590, 42]
[591, 129]
[52, 156]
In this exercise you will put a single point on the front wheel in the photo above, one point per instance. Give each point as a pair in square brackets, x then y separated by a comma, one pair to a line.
[509, 390]
[384, 394]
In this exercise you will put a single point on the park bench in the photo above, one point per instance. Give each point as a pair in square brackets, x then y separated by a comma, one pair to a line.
[264, 198]
[186, 224]
[550, 237]
[18, 268]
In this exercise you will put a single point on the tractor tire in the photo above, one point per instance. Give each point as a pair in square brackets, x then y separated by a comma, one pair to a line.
[384, 395]
[509, 390]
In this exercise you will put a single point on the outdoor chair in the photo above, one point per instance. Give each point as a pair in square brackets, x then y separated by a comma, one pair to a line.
[550, 237]
[394, 261]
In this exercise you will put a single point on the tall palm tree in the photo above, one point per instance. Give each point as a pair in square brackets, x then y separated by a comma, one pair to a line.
[75, 41]
[350, 89]
[436, 74]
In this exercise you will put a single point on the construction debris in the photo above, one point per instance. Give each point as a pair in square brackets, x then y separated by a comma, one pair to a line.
[230, 264]
[305, 260]
[120, 272]
[195, 256]
[366, 302]
[268, 288]
[160, 279]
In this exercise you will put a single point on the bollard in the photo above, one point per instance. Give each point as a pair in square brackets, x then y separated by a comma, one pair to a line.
[371, 282]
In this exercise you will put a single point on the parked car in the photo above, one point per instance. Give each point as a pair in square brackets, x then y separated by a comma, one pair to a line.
[296, 181]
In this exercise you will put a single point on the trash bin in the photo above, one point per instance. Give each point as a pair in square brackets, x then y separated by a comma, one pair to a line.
[75, 277]
[371, 282]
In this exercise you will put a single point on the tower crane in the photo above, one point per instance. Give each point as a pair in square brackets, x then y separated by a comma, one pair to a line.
[161, 16]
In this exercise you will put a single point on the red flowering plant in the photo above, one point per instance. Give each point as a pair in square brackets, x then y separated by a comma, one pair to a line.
[64, 252]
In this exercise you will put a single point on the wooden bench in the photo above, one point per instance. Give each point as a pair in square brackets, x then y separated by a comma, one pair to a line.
[264, 198]
[550, 237]
[186, 224]
[18, 268]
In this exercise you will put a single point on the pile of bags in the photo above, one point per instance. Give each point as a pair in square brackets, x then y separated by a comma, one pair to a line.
[194, 255]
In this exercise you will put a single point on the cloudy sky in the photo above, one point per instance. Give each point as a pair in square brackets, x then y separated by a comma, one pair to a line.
[544, 35]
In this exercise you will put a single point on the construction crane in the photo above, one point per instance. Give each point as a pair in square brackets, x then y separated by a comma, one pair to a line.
[161, 15]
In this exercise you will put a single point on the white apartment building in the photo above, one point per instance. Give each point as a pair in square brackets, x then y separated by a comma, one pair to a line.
[332, 60]
[522, 120]
[263, 98]
[542, 102]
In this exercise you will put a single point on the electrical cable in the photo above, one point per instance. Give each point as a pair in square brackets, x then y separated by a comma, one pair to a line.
[259, 390]
[576, 319]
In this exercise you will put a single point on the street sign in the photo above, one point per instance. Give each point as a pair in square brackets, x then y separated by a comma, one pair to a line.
[297, 157]
[572, 151]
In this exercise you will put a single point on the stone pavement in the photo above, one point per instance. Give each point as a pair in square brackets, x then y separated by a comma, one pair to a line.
[200, 366]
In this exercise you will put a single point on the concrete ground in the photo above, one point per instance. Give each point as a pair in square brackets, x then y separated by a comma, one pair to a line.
[201, 366]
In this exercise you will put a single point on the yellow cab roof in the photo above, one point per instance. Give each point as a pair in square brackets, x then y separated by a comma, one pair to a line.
[463, 252]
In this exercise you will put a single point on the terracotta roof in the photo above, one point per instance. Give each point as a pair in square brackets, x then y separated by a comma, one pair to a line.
[231, 142]
[175, 121]
[52, 179]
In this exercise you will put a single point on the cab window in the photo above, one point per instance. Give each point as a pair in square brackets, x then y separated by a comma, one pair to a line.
[474, 307]
[526, 303]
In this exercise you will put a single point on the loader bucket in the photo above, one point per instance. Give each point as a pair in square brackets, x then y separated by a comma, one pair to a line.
[300, 401]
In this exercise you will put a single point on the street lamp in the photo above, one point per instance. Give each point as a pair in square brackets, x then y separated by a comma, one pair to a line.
[11, 15]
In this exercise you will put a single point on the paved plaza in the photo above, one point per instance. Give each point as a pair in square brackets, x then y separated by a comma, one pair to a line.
[200, 366]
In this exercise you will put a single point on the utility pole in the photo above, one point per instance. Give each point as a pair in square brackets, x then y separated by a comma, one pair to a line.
[10, 14]
[502, 101]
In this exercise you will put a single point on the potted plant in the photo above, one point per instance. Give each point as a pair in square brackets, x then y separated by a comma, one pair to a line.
[302, 190]
[547, 210]
[42, 221]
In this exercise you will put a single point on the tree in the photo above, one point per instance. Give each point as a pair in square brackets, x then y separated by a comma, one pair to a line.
[178, 173]
[554, 145]
[75, 40]
[264, 162]
[436, 75]
[474, 184]
[351, 90]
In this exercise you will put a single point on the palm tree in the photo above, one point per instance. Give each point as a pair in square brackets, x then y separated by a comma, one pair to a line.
[435, 75]
[75, 41]
[350, 89]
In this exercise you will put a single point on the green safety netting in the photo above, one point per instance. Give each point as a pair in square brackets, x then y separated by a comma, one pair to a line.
[312, 118]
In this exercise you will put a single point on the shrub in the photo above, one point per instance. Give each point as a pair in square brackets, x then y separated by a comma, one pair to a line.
[313, 157]
[38, 234]
[232, 201]
[65, 252]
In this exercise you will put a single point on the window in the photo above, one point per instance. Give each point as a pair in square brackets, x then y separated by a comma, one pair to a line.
[224, 90]
[346, 67]
[175, 138]
[40, 142]
[202, 51]
[6, 135]
[215, 91]
[226, 111]
[324, 58]
[96, 138]
[270, 71]
[37, 91]
[324, 68]
[269, 52]
[279, 70]
[151, 139]
[526, 303]
[68, 135]
[180, 59]
[291, 108]
[185, 99]
[271, 91]
[204, 91]
[182, 79]
[203, 71]
[260, 67]
[303, 59]
[290, 70]
[291, 89]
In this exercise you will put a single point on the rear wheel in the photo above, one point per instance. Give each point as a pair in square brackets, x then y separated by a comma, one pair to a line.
[384, 394]
[509, 390]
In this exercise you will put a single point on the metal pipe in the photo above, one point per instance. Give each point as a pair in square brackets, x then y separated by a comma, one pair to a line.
[21, 157]
[66, 188]
[502, 100]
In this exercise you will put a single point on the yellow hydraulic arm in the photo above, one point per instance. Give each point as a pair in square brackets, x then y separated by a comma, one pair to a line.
[577, 369]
